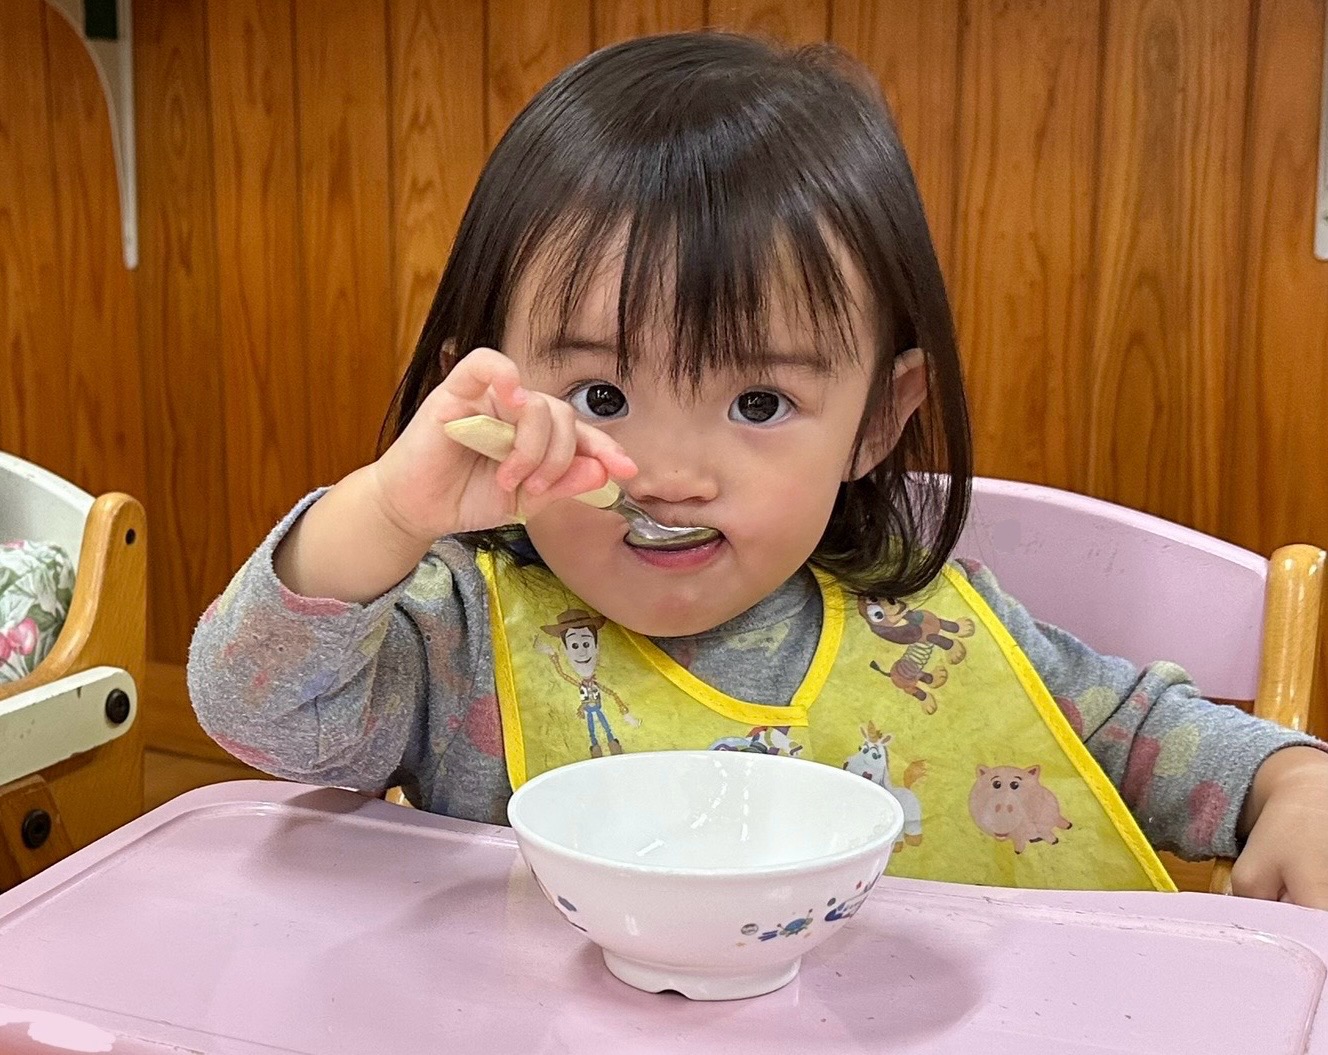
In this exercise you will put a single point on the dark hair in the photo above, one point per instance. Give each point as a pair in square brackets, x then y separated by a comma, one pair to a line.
[716, 161]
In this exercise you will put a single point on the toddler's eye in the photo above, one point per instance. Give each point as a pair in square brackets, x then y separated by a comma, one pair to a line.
[760, 407]
[599, 399]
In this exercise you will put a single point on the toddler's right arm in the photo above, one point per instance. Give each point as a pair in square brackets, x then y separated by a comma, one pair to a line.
[320, 690]
[307, 666]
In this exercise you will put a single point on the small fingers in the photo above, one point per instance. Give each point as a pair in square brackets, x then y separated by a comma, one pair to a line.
[559, 449]
[582, 475]
[485, 369]
[1256, 876]
[534, 426]
[587, 464]
[576, 458]
[594, 443]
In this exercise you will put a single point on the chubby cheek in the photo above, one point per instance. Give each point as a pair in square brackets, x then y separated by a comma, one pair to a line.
[570, 534]
[786, 513]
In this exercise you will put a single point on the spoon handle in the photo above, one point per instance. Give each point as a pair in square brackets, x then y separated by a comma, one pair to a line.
[494, 439]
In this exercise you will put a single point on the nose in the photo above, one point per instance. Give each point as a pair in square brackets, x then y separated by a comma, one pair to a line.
[677, 469]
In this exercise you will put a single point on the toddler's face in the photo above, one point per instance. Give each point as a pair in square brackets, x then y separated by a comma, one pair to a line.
[760, 458]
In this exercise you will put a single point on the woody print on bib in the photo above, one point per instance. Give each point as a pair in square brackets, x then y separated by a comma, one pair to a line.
[578, 632]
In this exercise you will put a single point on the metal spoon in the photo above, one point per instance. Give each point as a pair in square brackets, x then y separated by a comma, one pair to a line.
[494, 439]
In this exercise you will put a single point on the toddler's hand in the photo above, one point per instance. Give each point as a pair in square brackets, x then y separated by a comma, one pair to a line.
[430, 486]
[1286, 855]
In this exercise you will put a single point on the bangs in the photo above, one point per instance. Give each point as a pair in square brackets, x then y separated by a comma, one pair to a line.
[697, 280]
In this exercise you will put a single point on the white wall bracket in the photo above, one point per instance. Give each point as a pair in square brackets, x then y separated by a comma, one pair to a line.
[114, 62]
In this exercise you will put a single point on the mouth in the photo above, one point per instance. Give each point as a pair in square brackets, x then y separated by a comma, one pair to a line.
[685, 555]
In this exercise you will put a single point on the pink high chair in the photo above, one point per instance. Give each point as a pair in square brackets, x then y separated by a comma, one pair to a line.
[1134, 585]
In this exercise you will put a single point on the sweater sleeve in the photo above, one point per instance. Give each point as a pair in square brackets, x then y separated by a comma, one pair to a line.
[327, 692]
[1183, 764]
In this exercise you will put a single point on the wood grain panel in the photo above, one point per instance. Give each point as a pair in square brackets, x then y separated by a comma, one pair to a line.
[258, 214]
[623, 19]
[341, 71]
[438, 145]
[1138, 299]
[1168, 200]
[1023, 252]
[97, 326]
[790, 21]
[1276, 490]
[178, 329]
[912, 46]
[34, 377]
[167, 775]
[529, 44]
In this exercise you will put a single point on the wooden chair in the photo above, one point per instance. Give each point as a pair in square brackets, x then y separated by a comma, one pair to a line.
[71, 768]
[1245, 628]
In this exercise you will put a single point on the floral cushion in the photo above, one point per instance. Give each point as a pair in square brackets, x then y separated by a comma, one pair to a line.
[36, 586]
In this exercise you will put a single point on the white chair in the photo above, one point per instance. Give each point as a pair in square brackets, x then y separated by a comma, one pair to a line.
[71, 756]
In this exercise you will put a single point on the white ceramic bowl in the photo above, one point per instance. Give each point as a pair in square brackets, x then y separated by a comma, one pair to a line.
[706, 872]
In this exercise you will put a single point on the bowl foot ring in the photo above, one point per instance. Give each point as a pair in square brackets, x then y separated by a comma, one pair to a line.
[737, 985]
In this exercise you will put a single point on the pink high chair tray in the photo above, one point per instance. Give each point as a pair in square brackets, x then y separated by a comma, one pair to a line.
[259, 917]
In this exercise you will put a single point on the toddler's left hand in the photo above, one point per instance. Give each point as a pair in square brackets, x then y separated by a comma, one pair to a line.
[1286, 855]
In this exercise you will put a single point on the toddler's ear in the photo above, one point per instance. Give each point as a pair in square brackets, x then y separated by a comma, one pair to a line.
[908, 390]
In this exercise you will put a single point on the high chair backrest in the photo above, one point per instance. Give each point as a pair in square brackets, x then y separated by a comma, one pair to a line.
[1124, 582]
[1137, 586]
[36, 504]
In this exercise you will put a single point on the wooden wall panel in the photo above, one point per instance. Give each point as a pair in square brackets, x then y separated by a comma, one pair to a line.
[347, 332]
[623, 19]
[1122, 213]
[1276, 488]
[1023, 251]
[438, 145]
[184, 419]
[528, 44]
[1166, 288]
[913, 48]
[792, 21]
[260, 268]
[34, 386]
[97, 329]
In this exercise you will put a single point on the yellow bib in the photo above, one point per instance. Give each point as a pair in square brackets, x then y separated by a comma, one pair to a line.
[930, 698]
